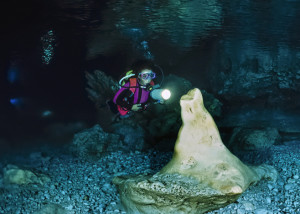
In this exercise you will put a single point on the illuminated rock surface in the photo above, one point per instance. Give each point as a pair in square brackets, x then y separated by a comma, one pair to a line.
[203, 174]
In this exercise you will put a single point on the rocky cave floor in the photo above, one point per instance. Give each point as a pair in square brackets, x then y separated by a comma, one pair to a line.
[84, 186]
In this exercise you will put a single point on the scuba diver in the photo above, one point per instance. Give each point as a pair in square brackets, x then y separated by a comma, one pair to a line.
[135, 89]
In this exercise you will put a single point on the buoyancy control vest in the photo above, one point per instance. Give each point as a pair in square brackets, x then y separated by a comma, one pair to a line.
[133, 85]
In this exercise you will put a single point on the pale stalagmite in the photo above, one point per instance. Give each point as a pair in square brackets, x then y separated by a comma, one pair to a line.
[203, 174]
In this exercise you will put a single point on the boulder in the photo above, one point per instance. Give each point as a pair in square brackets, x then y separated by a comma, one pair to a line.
[53, 209]
[14, 175]
[203, 174]
[131, 134]
[249, 139]
[94, 142]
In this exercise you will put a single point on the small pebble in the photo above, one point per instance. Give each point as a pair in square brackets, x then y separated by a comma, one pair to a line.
[289, 187]
[248, 206]
[270, 186]
[261, 211]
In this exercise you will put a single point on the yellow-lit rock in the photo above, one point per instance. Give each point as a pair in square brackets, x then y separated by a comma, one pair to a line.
[203, 174]
[199, 151]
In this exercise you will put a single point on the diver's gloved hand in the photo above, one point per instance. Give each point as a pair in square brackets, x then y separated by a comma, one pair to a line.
[136, 107]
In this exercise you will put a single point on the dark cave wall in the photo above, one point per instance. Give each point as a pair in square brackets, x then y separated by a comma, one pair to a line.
[244, 73]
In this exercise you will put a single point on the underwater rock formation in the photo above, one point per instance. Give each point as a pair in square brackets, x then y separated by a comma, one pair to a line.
[52, 208]
[203, 174]
[94, 142]
[14, 175]
[132, 135]
[100, 87]
[253, 139]
[252, 76]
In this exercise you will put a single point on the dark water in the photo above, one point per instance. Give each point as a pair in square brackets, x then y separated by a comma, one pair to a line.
[47, 45]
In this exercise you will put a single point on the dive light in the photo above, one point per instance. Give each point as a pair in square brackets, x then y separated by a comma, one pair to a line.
[160, 94]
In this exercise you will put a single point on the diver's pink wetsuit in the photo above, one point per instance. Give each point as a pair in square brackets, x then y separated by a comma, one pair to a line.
[125, 99]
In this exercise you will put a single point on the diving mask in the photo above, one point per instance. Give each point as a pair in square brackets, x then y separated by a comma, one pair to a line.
[147, 75]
